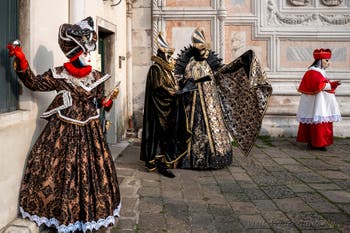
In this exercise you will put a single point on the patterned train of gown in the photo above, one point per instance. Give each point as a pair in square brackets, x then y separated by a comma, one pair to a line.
[70, 181]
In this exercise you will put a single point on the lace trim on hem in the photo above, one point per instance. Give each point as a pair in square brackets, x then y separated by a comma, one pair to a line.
[78, 225]
[319, 119]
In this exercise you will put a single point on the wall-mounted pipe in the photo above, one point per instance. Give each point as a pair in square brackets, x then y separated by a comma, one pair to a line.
[76, 10]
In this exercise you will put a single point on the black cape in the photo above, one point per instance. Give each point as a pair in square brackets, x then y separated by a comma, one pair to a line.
[164, 134]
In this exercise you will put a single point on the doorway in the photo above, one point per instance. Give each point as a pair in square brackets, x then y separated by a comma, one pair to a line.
[106, 51]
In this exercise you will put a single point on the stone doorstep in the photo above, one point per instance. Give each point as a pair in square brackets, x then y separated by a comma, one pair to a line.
[117, 149]
[20, 225]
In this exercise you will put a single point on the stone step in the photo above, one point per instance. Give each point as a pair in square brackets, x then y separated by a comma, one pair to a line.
[20, 225]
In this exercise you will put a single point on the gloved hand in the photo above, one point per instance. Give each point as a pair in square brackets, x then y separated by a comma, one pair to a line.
[203, 79]
[335, 84]
[107, 103]
[189, 86]
[18, 53]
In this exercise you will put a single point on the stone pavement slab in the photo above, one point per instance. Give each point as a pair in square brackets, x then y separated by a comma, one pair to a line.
[280, 187]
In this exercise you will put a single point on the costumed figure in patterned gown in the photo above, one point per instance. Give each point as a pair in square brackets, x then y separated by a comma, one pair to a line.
[70, 181]
[226, 106]
[318, 107]
[164, 133]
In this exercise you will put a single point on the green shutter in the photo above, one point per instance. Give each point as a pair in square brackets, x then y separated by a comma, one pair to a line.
[8, 32]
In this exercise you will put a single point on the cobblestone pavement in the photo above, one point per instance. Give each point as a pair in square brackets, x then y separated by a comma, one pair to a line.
[280, 187]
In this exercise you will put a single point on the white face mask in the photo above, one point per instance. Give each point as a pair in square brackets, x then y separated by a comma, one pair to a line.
[85, 59]
[325, 63]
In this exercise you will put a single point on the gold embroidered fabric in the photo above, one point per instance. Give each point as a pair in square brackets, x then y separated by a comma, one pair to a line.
[244, 91]
[165, 65]
[210, 143]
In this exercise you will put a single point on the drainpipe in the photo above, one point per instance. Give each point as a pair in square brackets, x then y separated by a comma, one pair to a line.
[129, 84]
[76, 10]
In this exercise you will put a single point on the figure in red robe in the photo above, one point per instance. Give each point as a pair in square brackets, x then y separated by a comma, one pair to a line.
[318, 108]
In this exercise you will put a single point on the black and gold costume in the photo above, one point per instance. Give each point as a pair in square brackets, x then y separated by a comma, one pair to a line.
[225, 111]
[210, 146]
[164, 133]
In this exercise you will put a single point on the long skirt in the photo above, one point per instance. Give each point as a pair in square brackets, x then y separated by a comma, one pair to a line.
[70, 181]
[318, 135]
[210, 146]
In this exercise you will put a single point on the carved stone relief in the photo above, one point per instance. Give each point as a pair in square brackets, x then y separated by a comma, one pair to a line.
[238, 42]
[278, 18]
[332, 2]
[275, 17]
[307, 2]
[299, 2]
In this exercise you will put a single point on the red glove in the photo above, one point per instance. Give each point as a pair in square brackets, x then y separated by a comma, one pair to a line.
[18, 53]
[335, 84]
[107, 104]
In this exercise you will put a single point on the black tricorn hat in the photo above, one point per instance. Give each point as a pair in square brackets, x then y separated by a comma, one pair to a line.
[74, 38]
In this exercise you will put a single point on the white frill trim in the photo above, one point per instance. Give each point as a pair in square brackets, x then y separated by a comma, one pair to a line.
[68, 119]
[87, 83]
[78, 225]
[319, 119]
[67, 102]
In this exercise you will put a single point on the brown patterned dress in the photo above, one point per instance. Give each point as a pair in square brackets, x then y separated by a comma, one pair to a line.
[70, 181]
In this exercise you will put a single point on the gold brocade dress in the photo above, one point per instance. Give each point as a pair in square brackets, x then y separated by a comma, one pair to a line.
[226, 111]
[210, 146]
[70, 180]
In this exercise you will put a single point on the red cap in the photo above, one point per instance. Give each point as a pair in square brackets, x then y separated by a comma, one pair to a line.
[322, 54]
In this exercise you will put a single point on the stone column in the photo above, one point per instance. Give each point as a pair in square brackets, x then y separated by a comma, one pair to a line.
[156, 23]
[76, 10]
[221, 28]
[129, 77]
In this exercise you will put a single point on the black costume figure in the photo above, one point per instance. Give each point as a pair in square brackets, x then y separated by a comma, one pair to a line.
[164, 133]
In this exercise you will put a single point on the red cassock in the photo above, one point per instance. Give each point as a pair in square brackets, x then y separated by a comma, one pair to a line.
[318, 135]
[315, 117]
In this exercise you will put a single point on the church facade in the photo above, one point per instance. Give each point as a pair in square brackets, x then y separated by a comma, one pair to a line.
[283, 33]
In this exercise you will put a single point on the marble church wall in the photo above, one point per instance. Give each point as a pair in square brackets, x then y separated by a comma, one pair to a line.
[283, 33]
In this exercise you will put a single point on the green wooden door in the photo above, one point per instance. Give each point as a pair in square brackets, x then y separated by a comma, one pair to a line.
[8, 33]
